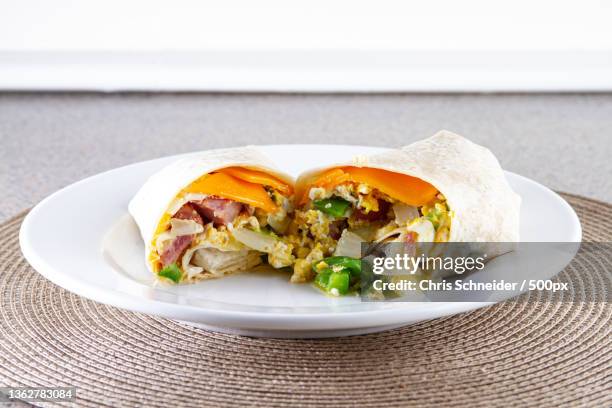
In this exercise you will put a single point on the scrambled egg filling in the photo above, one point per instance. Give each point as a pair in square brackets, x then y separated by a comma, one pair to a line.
[314, 234]
[221, 237]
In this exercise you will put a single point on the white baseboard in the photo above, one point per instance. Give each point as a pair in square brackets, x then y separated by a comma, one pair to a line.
[308, 71]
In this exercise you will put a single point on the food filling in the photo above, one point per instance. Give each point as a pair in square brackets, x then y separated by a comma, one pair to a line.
[346, 206]
[224, 222]
[236, 218]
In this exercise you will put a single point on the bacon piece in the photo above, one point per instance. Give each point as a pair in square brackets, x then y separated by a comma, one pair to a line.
[336, 228]
[187, 212]
[381, 214]
[218, 210]
[175, 249]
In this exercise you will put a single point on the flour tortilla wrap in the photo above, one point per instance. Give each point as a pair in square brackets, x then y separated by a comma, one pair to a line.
[151, 202]
[485, 208]
[473, 182]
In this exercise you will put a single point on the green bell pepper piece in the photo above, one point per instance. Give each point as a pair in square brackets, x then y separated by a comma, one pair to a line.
[337, 275]
[172, 272]
[334, 206]
[322, 278]
[329, 280]
[352, 264]
[339, 281]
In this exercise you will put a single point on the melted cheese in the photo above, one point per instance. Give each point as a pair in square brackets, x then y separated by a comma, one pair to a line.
[258, 177]
[226, 186]
[407, 189]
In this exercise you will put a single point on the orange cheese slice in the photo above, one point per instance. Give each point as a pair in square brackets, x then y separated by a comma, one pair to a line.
[332, 178]
[407, 189]
[258, 177]
[225, 186]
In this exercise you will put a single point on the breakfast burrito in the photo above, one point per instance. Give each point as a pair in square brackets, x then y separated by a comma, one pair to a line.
[442, 189]
[213, 214]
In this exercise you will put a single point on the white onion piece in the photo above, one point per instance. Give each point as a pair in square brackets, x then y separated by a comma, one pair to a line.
[195, 196]
[180, 227]
[349, 244]
[424, 229]
[397, 231]
[367, 232]
[216, 262]
[404, 213]
[287, 205]
[189, 269]
[256, 240]
[176, 205]
[162, 239]
[345, 193]
[219, 263]
[317, 193]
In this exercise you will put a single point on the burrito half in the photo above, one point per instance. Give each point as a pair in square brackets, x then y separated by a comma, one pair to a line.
[442, 189]
[214, 213]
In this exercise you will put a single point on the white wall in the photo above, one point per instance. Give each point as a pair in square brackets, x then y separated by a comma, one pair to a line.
[312, 46]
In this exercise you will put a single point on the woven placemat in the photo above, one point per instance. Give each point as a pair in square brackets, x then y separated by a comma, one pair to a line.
[541, 352]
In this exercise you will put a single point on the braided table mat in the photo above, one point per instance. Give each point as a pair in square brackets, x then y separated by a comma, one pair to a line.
[540, 352]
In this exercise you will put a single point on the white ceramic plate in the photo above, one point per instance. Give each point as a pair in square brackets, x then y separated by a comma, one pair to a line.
[63, 238]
